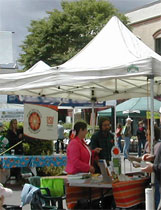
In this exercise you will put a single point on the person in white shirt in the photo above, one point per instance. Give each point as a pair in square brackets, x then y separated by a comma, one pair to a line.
[60, 137]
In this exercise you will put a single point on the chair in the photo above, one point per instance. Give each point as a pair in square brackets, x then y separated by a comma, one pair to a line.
[35, 181]
[32, 195]
[26, 172]
[56, 187]
[39, 202]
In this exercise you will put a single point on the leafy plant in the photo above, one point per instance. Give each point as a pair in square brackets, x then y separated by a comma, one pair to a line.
[51, 171]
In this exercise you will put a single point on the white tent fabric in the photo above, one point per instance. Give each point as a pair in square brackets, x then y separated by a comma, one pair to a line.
[114, 65]
[40, 66]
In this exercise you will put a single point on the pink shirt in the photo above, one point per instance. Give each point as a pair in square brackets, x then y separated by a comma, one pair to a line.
[78, 157]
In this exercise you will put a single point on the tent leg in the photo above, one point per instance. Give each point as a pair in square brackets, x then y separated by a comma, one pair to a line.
[73, 115]
[115, 125]
[93, 117]
[152, 132]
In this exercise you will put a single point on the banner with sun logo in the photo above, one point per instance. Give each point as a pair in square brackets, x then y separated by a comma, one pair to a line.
[40, 121]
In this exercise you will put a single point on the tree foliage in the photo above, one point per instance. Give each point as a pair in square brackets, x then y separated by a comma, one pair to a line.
[62, 34]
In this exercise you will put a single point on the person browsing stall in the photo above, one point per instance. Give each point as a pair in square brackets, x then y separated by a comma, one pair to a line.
[141, 135]
[15, 135]
[60, 137]
[79, 155]
[127, 136]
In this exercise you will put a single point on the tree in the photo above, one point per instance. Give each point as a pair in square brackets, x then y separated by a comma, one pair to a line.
[64, 33]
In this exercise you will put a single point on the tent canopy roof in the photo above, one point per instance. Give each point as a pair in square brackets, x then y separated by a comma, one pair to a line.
[114, 65]
[134, 104]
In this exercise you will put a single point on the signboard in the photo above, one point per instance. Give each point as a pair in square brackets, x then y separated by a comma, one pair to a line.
[156, 115]
[9, 115]
[40, 121]
[14, 99]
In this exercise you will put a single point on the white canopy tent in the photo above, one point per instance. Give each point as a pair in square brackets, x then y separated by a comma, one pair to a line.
[114, 65]
[40, 66]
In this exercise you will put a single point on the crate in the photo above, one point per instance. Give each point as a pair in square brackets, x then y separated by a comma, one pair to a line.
[129, 193]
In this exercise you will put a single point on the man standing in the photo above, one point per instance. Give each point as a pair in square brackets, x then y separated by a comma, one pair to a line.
[103, 139]
[141, 135]
[60, 137]
[127, 135]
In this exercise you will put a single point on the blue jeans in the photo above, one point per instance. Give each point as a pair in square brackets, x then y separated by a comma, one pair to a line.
[141, 142]
[126, 146]
[157, 193]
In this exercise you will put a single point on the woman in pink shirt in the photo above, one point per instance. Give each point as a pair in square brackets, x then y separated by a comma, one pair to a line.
[79, 156]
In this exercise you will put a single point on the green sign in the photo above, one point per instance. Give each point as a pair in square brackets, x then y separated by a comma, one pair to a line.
[132, 69]
[156, 115]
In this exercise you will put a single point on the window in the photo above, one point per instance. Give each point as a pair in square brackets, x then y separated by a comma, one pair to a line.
[158, 46]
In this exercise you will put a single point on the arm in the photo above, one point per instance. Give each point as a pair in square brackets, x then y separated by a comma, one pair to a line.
[157, 163]
[156, 167]
[94, 142]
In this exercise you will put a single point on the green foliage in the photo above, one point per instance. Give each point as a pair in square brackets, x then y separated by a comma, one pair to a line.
[38, 147]
[62, 34]
[51, 171]
[67, 125]
[32, 147]
[6, 127]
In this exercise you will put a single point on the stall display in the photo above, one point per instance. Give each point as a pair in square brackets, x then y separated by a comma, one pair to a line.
[129, 193]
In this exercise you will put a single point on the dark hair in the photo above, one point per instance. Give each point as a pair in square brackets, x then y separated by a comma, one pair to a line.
[70, 133]
[11, 123]
[79, 125]
[102, 120]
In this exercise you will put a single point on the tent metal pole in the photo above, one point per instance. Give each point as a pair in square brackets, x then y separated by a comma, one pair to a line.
[115, 124]
[73, 116]
[152, 131]
[93, 116]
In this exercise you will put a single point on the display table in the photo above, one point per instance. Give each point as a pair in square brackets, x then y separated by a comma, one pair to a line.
[129, 193]
[126, 193]
[18, 161]
[90, 190]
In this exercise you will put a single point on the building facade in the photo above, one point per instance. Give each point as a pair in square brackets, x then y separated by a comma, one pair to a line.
[145, 23]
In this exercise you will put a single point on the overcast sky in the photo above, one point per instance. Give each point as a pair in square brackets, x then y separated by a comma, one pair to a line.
[15, 15]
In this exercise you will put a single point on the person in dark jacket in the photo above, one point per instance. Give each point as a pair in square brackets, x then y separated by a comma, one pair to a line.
[103, 139]
[15, 135]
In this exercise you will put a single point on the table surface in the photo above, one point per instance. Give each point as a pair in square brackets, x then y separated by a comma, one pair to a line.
[91, 183]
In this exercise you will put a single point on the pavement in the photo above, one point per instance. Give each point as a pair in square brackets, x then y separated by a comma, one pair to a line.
[15, 199]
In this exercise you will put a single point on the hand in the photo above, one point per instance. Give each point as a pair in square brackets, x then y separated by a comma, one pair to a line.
[148, 168]
[98, 149]
[148, 157]
[20, 135]
[91, 169]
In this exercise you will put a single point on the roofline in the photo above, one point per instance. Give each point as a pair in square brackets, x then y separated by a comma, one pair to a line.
[145, 6]
[140, 22]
